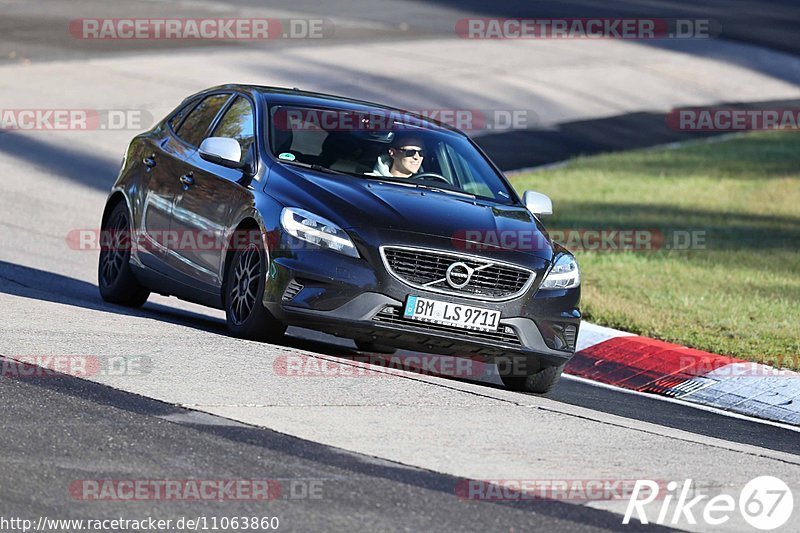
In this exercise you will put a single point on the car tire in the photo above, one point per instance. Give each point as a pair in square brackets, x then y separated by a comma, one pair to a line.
[244, 290]
[115, 279]
[540, 382]
[372, 347]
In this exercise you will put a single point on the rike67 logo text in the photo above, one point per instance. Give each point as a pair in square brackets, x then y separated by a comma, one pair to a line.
[765, 503]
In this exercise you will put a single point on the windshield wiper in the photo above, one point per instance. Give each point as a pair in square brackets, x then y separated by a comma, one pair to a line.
[418, 185]
[318, 168]
[442, 189]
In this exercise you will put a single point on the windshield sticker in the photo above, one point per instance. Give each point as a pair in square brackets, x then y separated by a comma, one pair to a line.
[286, 156]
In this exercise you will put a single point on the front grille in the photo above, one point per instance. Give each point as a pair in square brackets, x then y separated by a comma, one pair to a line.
[391, 315]
[427, 269]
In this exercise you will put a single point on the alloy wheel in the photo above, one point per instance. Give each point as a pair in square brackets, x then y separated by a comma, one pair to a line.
[245, 284]
[114, 248]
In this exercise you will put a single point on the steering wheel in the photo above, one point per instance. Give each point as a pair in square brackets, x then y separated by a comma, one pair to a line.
[430, 176]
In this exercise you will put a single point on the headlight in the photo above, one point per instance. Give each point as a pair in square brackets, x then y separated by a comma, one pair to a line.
[313, 228]
[564, 274]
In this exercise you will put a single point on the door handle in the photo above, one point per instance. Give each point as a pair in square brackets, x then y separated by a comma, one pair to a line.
[187, 181]
[149, 162]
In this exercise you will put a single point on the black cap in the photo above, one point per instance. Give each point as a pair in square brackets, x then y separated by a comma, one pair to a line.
[407, 140]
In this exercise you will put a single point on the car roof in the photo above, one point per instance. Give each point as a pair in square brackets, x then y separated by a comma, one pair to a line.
[294, 96]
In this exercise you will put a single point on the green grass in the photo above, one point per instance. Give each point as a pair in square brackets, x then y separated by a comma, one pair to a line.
[738, 295]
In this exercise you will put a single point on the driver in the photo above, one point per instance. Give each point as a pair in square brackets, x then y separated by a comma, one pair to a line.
[403, 160]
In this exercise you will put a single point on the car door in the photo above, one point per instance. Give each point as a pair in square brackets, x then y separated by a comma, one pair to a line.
[211, 197]
[158, 156]
[183, 133]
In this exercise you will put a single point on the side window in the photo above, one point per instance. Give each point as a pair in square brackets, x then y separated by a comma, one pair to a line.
[194, 127]
[237, 123]
[178, 117]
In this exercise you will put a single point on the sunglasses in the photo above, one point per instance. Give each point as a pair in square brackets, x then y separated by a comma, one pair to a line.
[409, 152]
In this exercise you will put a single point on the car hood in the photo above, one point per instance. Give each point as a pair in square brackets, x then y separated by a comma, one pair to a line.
[358, 203]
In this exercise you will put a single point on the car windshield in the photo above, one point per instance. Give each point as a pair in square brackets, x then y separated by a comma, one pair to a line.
[383, 145]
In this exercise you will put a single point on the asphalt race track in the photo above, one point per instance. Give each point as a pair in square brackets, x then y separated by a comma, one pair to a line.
[383, 450]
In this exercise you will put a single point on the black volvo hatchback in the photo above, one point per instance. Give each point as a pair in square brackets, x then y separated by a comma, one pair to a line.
[286, 207]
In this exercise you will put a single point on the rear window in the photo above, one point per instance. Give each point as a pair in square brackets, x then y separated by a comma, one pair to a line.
[177, 118]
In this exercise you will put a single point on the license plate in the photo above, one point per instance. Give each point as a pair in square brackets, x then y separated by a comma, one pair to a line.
[450, 314]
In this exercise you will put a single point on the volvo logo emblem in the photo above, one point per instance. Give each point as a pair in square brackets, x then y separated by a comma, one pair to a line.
[458, 275]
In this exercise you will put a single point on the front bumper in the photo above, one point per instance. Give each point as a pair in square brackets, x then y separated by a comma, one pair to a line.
[368, 317]
[359, 299]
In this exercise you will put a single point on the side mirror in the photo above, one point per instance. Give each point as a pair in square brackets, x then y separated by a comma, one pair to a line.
[223, 151]
[537, 203]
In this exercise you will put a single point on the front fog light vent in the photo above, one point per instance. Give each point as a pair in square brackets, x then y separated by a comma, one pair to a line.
[559, 336]
[570, 333]
[292, 289]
